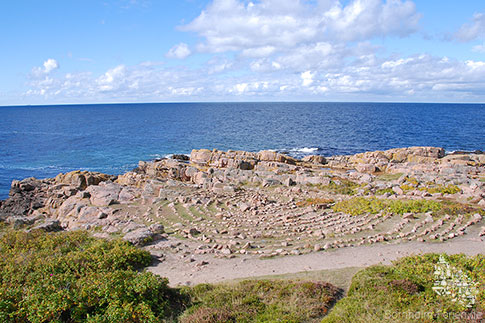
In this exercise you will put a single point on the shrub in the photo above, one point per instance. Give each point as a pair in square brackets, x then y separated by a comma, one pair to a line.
[73, 277]
[403, 292]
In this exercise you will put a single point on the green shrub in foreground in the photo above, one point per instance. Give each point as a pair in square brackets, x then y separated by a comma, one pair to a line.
[403, 293]
[260, 301]
[72, 277]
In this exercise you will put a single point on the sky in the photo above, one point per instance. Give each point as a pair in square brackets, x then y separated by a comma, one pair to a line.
[74, 52]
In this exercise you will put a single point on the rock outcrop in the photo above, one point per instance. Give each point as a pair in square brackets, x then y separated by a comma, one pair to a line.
[263, 203]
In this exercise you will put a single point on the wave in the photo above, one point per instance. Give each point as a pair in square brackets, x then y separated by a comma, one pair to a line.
[307, 150]
[33, 168]
[462, 151]
[160, 156]
[302, 151]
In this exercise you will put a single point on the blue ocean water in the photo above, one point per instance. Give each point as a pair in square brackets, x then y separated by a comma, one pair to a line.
[42, 141]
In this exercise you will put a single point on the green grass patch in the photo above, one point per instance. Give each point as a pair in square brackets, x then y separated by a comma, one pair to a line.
[389, 177]
[443, 189]
[260, 301]
[383, 191]
[362, 205]
[403, 292]
[339, 186]
[340, 278]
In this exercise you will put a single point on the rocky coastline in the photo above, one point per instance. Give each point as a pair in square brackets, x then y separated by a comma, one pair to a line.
[231, 203]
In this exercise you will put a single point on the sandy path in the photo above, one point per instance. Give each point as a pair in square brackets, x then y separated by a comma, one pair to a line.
[184, 272]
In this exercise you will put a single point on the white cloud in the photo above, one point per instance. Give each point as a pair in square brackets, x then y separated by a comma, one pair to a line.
[262, 51]
[282, 50]
[261, 28]
[48, 66]
[423, 76]
[112, 79]
[307, 78]
[472, 31]
[179, 51]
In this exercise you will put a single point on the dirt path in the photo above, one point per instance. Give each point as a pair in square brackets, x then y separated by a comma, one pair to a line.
[183, 271]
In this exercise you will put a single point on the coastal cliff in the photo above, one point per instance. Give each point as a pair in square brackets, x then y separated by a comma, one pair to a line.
[265, 203]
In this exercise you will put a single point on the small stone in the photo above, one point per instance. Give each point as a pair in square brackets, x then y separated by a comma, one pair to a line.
[243, 207]
[397, 190]
[202, 263]
[226, 251]
[194, 231]
[482, 232]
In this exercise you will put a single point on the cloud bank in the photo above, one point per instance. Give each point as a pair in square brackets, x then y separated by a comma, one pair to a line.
[286, 50]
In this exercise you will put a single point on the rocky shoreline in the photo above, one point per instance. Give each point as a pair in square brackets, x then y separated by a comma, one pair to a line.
[232, 203]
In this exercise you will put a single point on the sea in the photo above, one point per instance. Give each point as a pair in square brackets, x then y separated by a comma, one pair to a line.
[42, 141]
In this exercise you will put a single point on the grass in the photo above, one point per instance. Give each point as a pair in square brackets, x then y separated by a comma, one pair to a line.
[340, 278]
[403, 292]
[443, 189]
[338, 186]
[315, 202]
[386, 177]
[260, 301]
[72, 277]
[385, 191]
[361, 205]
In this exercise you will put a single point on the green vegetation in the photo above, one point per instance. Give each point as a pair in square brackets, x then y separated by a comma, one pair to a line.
[339, 186]
[386, 177]
[443, 189]
[362, 205]
[260, 301]
[72, 277]
[403, 292]
[385, 191]
[315, 202]
[340, 277]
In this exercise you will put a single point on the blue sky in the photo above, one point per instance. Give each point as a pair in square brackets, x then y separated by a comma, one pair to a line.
[57, 52]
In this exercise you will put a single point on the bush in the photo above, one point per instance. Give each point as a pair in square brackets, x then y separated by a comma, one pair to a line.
[71, 277]
[403, 292]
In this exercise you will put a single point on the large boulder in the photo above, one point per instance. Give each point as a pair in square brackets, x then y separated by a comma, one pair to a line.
[82, 179]
[25, 197]
[104, 194]
[49, 225]
[314, 159]
[200, 156]
[143, 235]
[269, 155]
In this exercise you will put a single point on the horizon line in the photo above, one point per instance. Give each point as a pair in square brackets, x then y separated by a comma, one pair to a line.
[212, 102]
